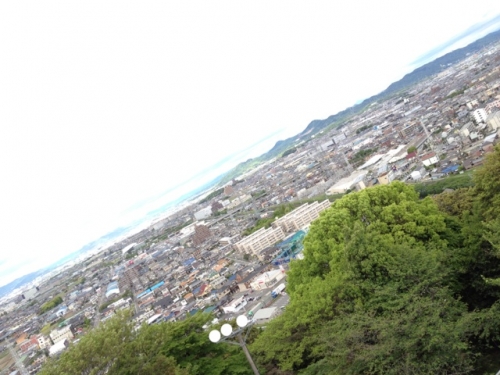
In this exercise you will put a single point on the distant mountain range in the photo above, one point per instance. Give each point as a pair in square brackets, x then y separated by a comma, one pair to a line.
[106, 239]
[26, 279]
[315, 126]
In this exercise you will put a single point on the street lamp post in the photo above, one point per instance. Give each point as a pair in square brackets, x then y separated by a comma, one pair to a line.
[227, 331]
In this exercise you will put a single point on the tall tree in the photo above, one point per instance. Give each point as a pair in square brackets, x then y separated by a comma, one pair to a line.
[371, 294]
[174, 348]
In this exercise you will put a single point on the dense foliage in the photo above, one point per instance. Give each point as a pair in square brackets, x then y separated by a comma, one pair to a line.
[451, 182]
[288, 152]
[390, 284]
[212, 195]
[360, 156]
[363, 128]
[49, 305]
[395, 284]
[178, 348]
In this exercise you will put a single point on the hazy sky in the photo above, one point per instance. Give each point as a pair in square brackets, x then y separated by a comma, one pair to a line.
[104, 104]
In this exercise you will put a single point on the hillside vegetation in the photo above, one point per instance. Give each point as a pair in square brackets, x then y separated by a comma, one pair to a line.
[395, 284]
[390, 284]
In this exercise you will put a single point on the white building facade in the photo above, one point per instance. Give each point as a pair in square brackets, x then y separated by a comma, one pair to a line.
[301, 216]
[479, 115]
[259, 240]
[61, 334]
[493, 121]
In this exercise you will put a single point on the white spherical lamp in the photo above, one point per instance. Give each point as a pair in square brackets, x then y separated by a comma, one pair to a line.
[242, 321]
[214, 336]
[226, 329]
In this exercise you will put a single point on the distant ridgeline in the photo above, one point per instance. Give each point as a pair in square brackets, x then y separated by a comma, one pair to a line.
[419, 74]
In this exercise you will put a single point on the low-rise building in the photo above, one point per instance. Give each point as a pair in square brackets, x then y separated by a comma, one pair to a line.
[235, 305]
[58, 347]
[429, 159]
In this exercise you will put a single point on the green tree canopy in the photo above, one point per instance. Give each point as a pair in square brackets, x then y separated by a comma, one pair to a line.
[371, 294]
[176, 348]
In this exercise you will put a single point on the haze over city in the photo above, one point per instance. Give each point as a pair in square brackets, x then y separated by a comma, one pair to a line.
[110, 109]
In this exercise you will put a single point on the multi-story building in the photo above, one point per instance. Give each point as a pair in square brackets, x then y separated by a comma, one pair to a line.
[409, 129]
[429, 159]
[44, 342]
[493, 121]
[259, 240]
[129, 278]
[301, 216]
[479, 115]
[201, 234]
[228, 190]
[337, 138]
[203, 213]
[61, 334]
[466, 129]
[493, 106]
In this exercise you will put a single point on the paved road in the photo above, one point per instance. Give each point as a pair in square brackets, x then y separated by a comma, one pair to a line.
[255, 264]
[281, 301]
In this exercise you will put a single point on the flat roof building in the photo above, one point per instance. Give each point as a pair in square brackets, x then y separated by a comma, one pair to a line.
[260, 240]
[301, 216]
[61, 334]
[265, 315]
[112, 289]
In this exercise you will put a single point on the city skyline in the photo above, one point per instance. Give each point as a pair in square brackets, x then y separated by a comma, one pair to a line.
[97, 125]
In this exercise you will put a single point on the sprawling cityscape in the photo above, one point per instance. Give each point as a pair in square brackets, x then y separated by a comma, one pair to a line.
[228, 253]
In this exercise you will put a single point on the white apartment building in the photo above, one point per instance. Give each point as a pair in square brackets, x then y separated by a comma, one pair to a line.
[61, 334]
[258, 241]
[301, 216]
[493, 121]
[43, 342]
[479, 115]
[466, 129]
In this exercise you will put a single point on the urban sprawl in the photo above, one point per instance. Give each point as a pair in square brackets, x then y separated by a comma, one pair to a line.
[229, 251]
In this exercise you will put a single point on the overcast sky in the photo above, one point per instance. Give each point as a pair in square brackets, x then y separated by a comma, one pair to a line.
[104, 104]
